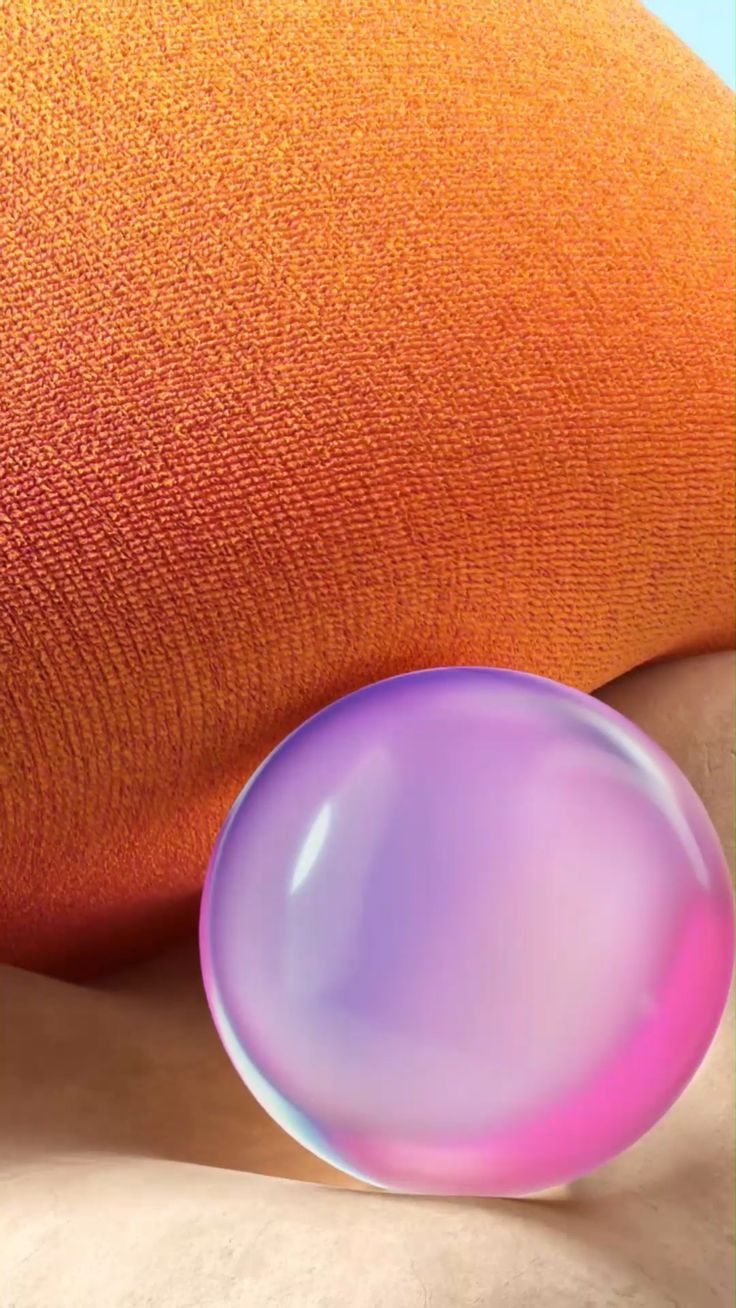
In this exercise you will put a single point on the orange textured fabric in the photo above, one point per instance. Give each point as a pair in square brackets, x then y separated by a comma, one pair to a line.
[337, 340]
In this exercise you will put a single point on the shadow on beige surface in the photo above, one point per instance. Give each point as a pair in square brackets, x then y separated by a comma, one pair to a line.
[137, 1170]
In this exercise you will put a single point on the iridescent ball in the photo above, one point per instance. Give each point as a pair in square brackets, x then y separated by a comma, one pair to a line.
[467, 931]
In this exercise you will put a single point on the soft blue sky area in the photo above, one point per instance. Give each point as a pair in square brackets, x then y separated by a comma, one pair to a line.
[707, 26]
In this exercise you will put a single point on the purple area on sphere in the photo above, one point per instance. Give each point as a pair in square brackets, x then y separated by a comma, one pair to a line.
[467, 931]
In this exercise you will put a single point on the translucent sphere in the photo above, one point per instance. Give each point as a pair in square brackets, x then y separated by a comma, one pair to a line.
[467, 931]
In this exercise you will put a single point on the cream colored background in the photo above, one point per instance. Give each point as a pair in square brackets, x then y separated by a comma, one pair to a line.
[136, 1171]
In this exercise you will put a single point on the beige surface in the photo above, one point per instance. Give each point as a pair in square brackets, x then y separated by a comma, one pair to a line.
[688, 707]
[119, 1112]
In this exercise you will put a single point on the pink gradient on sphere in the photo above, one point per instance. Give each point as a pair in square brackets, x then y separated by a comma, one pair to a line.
[467, 931]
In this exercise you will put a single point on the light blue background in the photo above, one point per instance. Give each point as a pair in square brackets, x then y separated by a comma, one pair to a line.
[707, 26]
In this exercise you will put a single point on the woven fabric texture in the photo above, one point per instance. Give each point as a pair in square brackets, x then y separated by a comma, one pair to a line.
[336, 340]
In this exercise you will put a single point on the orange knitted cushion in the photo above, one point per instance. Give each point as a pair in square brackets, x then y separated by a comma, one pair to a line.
[338, 339]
